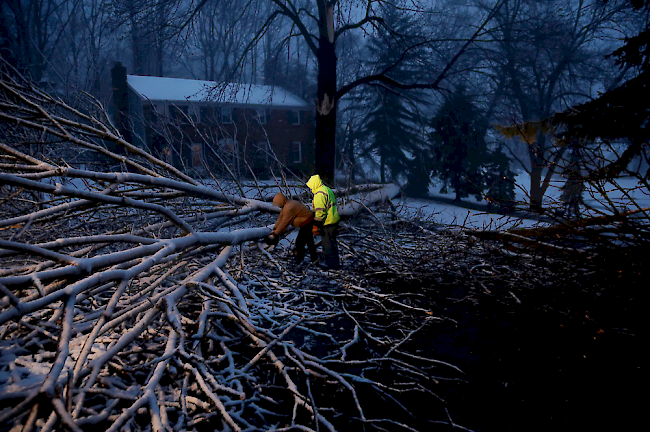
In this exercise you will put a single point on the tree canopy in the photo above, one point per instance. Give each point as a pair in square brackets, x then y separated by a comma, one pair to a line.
[458, 147]
[394, 126]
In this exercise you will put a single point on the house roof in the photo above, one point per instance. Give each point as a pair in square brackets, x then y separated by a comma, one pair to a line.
[187, 90]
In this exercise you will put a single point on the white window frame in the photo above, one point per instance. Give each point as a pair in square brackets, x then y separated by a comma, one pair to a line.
[199, 116]
[299, 159]
[228, 119]
[193, 112]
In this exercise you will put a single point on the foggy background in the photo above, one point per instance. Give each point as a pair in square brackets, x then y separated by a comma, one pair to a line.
[421, 83]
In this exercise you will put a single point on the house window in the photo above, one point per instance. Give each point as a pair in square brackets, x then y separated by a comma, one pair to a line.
[197, 155]
[227, 145]
[226, 115]
[294, 117]
[166, 154]
[228, 150]
[209, 115]
[265, 149]
[194, 114]
[260, 115]
[159, 109]
[296, 152]
[179, 113]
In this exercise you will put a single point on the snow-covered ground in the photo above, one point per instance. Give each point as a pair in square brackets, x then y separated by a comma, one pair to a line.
[449, 214]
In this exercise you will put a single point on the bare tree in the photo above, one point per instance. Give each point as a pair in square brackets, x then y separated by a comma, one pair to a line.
[547, 56]
[96, 44]
[35, 29]
[320, 25]
[82, 54]
[141, 299]
[217, 37]
[149, 27]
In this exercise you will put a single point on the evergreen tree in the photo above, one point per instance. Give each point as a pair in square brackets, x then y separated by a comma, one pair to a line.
[393, 129]
[623, 111]
[499, 182]
[458, 147]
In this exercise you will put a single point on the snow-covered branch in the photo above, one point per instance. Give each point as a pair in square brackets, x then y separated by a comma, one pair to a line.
[141, 299]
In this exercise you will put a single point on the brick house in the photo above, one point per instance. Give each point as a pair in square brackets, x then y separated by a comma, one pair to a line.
[204, 125]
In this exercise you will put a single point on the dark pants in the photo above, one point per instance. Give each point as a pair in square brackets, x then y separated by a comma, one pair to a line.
[330, 247]
[305, 238]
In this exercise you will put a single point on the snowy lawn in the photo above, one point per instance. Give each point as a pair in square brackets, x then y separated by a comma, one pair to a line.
[449, 214]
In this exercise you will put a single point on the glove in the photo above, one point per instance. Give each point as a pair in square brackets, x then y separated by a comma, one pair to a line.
[315, 230]
[271, 240]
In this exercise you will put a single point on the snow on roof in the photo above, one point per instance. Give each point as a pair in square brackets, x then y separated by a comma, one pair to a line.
[187, 90]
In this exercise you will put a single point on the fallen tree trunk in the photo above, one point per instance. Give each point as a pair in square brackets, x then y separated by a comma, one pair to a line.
[142, 300]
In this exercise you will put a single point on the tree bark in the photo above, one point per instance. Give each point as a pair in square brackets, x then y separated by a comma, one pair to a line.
[325, 145]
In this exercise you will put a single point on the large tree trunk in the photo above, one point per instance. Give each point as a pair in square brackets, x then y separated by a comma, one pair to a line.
[536, 189]
[382, 164]
[326, 105]
[539, 161]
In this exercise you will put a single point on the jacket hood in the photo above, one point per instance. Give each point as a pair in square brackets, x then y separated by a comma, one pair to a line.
[314, 182]
[279, 200]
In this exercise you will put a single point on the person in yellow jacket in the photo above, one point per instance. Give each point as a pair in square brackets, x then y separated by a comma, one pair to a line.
[326, 220]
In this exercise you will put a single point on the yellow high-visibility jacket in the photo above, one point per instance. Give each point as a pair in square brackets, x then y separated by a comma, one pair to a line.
[324, 204]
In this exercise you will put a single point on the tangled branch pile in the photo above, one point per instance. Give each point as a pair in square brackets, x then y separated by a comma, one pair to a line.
[136, 298]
